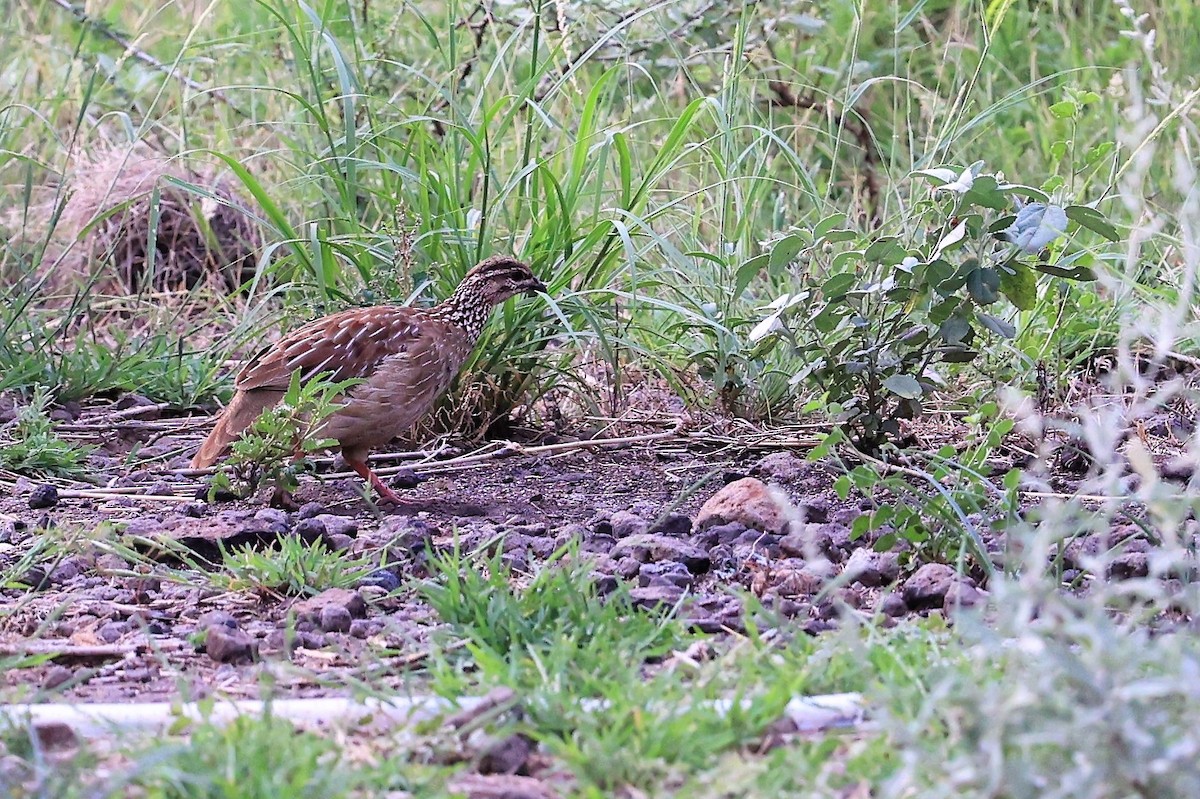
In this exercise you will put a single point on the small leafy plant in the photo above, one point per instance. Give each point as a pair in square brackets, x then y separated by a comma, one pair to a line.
[29, 445]
[873, 318]
[274, 449]
[296, 568]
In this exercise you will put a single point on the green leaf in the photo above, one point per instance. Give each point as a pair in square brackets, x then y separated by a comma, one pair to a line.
[903, 386]
[957, 354]
[746, 273]
[1019, 284]
[827, 224]
[954, 329]
[983, 284]
[986, 192]
[1093, 220]
[886, 252]
[1076, 273]
[838, 285]
[997, 325]
[1064, 110]
[784, 252]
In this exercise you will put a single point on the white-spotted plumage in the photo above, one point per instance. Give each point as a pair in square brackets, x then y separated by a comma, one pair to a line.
[406, 357]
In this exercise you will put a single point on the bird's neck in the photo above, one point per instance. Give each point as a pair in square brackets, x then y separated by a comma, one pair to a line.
[466, 308]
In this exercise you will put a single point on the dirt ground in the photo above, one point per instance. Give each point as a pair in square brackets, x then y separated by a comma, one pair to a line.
[89, 621]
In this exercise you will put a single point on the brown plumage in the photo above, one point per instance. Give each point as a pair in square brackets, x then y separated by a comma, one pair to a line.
[406, 356]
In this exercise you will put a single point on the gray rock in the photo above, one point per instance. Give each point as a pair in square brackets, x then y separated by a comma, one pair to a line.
[781, 466]
[311, 609]
[310, 510]
[216, 618]
[338, 525]
[275, 519]
[625, 524]
[653, 596]
[338, 542]
[1129, 565]
[961, 595]
[43, 496]
[673, 524]
[57, 675]
[111, 632]
[225, 645]
[927, 586]
[671, 571]
[892, 604]
[650, 546]
[872, 568]
[335, 619]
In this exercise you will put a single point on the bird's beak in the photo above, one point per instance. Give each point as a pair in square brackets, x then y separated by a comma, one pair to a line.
[535, 288]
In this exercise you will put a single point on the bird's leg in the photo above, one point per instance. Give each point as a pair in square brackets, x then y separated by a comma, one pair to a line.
[365, 472]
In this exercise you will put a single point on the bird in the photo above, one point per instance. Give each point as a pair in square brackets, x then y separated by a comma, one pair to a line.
[405, 357]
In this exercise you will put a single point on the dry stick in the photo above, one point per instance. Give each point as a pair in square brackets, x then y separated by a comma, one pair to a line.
[73, 494]
[141, 55]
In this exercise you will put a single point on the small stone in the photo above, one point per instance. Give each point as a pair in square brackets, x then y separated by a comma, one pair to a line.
[44, 496]
[335, 619]
[311, 609]
[625, 524]
[927, 586]
[962, 594]
[1129, 565]
[111, 632]
[68, 570]
[361, 628]
[381, 578]
[653, 596]
[815, 511]
[781, 466]
[650, 546]
[108, 562]
[506, 756]
[216, 618]
[670, 571]
[338, 525]
[56, 676]
[405, 479]
[309, 530]
[892, 604]
[628, 567]
[225, 645]
[143, 527]
[871, 568]
[310, 510]
[276, 520]
[673, 524]
[55, 737]
[36, 578]
[751, 502]
[338, 542]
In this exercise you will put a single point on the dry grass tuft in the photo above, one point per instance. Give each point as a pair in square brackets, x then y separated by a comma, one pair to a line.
[101, 239]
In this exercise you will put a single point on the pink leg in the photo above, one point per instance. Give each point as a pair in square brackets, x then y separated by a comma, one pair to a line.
[365, 472]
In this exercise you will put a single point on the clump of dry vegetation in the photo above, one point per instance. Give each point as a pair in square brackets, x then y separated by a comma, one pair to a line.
[128, 219]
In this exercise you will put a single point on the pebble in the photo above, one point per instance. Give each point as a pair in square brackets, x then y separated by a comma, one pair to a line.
[870, 568]
[751, 502]
[338, 525]
[928, 585]
[335, 619]
[43, 496]
[56, 676]
[671, 572]
[381, 578]
[651, 546]
[227, 645]
[625, 524]
[653, 596]
[673, 524]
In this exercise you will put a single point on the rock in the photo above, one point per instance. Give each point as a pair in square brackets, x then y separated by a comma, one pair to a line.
[628, 567]
[751, 502]
[275, 519]
[673, 524]
[671, 571]
[625, 524]
[406, 532]
[781, 466]
[962, 594]
[55, 737]
[36, 578]
[57, 675]
[338, 525]
[44, 496]
[928, 585]
[872, 568]
[216, 618]
[1129, 565]
[111, 632]
[335, 619]
[310, 529]
[653, 596]
[649, 546]
[719, 534]
[68, 569]
[361, 628]
[336, 542]
[506, 756]
[815, 510]
[310, 510]
[225, 645]
[405, 479]
[382, 578]
[109, 562]
[311, 609]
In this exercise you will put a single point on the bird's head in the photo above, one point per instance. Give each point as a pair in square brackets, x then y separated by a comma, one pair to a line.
[500, 277]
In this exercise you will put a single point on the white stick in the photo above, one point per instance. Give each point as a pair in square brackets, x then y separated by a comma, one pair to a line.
[809, 714]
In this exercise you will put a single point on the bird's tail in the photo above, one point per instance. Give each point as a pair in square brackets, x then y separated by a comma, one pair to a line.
[243, 409]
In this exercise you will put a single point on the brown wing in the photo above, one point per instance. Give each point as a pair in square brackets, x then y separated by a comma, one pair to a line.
[342, 346]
